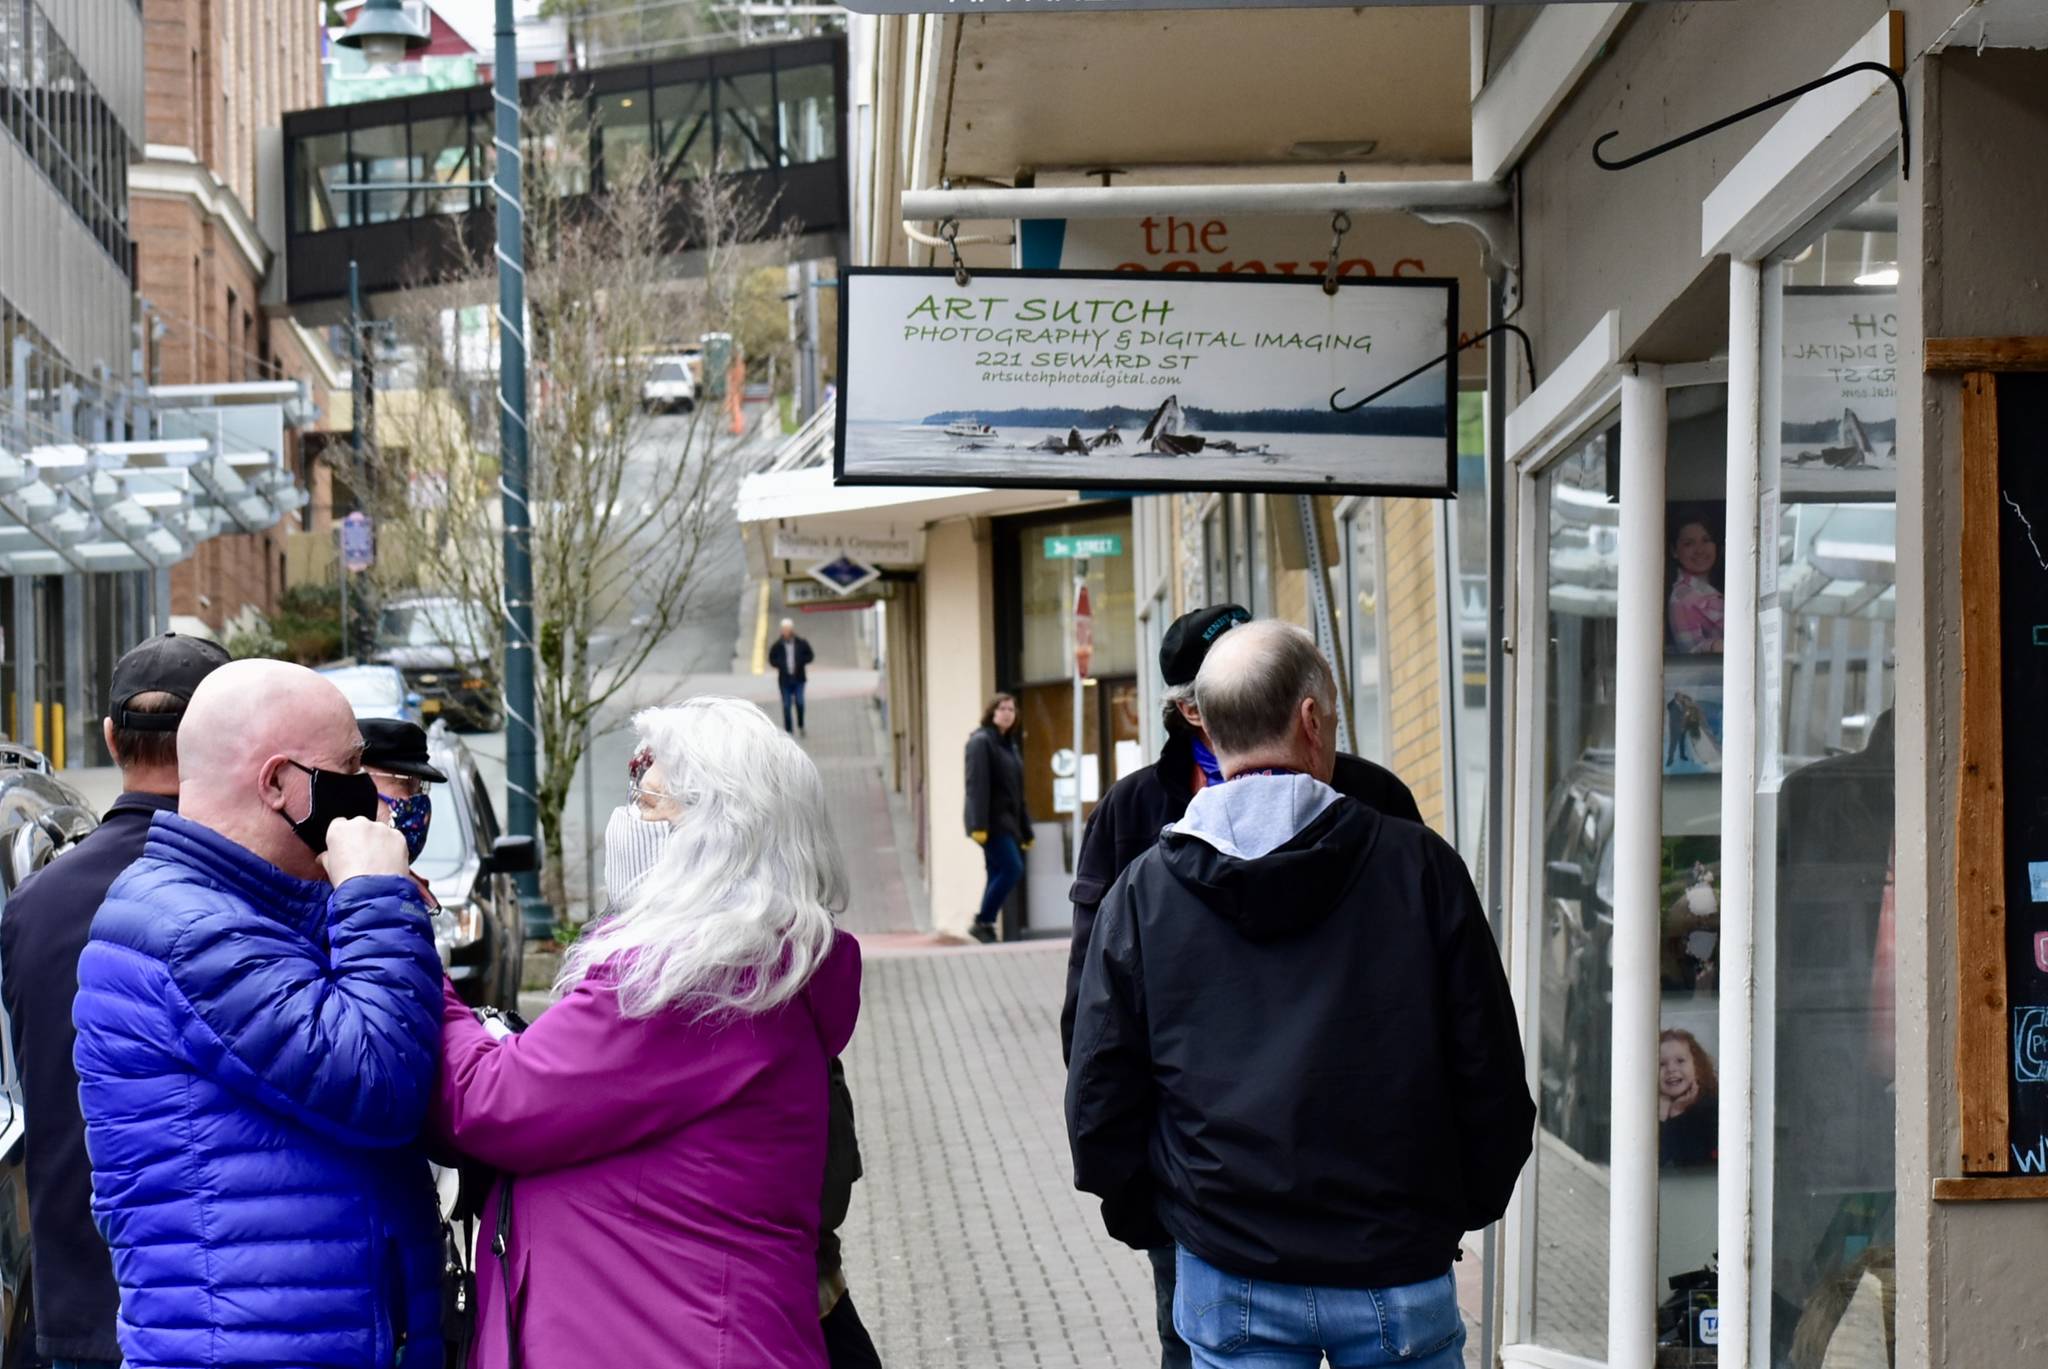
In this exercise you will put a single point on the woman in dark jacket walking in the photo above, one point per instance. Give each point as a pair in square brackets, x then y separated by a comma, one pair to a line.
[995, 808]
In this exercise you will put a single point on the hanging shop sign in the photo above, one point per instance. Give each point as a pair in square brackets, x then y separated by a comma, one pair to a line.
[1268, 245]
[895, 549]
[1109, 380]
[804, 593]
[844, 574]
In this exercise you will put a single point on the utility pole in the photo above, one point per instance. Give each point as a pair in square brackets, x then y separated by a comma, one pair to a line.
[522, 812]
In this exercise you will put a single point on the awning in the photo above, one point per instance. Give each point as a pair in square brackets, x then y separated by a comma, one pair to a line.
[217, 464]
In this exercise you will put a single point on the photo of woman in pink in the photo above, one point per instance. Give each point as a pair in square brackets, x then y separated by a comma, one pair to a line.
[1695, 609]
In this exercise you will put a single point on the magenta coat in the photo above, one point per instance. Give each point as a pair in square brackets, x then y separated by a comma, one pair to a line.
[668, 1176]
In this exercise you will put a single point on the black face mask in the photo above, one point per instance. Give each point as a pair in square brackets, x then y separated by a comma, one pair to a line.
[334, 795]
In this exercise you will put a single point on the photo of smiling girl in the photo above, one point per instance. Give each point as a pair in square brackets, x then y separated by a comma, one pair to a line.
[1694, 606]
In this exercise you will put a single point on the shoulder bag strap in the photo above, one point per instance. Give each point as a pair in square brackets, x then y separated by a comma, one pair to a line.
[501, 1246]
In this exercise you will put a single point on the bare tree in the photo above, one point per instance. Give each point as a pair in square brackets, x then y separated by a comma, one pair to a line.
[621, 510]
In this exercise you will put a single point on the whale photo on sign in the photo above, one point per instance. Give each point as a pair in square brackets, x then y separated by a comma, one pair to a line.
[1111, 380]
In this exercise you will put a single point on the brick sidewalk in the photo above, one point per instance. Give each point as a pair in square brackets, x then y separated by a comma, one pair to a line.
[967, 1245]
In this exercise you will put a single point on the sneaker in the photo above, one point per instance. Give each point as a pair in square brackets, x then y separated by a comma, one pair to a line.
[983, 932]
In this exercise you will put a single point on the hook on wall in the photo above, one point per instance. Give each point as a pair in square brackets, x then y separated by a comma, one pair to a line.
[1528, 355]
[1878, 68]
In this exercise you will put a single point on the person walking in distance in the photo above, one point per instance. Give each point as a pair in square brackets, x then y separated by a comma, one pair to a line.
[791, 656]
[1312, 1096]
[996, 820]
[258, 1016]
[663, 1128]
[42, 933]
[1127, 822]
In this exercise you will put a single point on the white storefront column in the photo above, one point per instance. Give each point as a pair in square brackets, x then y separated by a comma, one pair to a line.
[1638, 846]
[1739, 722]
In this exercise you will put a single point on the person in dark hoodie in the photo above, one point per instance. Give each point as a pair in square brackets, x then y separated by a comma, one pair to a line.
[1127, 823]
[1295, 1055]
[41, 936]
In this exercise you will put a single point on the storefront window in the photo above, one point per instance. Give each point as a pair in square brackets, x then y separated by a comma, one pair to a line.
[1573, 996]
[1826, 787]
[1361, 618]
[1688, 896]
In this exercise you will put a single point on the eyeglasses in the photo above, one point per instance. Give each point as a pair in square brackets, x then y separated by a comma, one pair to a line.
[421, 789]
[645, 796]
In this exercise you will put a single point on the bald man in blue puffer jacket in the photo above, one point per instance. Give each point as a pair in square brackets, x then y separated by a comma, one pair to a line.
[258, 1035]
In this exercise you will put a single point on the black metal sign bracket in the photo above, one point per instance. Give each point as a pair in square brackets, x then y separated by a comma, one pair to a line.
[1877, 68]
[1528, 355]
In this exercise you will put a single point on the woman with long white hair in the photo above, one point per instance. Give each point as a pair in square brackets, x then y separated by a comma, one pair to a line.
[662, 1127]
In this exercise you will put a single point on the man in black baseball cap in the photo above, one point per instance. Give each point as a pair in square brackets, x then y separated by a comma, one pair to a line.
[41, 937]
[1128, 820]
[395, 755]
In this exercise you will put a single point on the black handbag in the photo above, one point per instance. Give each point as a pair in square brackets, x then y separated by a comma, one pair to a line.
[474, 1180]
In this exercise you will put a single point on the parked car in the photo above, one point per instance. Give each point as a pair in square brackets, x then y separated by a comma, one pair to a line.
[470, 866]
[670, 386]
[1576, 954]
[39, 817]
[375, 691]
[437, 642]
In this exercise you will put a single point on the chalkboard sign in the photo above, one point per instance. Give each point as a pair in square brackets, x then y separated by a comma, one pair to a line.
[2001, 834]
[2022, 419]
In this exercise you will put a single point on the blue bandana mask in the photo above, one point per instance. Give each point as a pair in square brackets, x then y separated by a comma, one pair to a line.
[1212, 769]
[411, 816]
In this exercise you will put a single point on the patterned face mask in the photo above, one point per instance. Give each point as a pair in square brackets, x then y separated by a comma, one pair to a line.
[411, 816]
[632, 846]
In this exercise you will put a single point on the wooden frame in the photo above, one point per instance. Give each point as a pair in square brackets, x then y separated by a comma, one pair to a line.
[1983, 1040]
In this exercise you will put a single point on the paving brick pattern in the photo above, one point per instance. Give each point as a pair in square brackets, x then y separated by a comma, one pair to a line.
[967, 1245]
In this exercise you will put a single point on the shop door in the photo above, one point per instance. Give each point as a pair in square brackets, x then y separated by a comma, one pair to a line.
[1109, 709]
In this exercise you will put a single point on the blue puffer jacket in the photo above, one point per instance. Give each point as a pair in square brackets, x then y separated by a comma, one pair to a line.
[255, 1057]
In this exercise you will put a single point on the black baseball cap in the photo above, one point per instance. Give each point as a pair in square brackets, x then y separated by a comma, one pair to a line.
[397, 747]
[169, 663]
[1190, 636]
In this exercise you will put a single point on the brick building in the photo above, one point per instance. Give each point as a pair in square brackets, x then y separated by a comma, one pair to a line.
[207, 207]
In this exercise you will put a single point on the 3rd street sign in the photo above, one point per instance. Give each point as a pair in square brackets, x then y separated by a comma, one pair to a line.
[1082, 548]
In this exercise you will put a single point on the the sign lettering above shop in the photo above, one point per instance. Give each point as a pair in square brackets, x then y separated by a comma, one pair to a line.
[1084, 6]
[896, 549]
[1108, 380]
[1267, 245]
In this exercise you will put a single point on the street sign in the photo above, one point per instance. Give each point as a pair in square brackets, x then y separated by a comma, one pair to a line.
[1065, 548]
[844, 574]
[358, 543]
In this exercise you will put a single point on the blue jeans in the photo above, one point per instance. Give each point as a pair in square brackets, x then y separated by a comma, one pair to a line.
[1005, 864]
[792, 693]
[1236, 1323]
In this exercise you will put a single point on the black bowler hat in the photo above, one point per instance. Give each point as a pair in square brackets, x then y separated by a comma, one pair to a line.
[397, 747]
[169, 663]
[1190, 636]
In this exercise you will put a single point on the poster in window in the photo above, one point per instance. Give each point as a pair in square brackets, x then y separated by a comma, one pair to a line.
[1838, 429]
[1692, 719]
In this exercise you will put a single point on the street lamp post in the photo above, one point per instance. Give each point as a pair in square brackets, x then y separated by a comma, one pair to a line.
[522, 812]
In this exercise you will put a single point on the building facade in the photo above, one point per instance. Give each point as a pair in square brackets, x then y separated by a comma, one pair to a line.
[1694, 671]
[207, 202]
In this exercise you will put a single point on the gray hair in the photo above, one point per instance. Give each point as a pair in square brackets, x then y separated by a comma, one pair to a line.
[1253, 682]
[739, 910]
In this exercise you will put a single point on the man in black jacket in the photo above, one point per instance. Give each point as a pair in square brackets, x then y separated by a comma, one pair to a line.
[41, 934]
[1127, 823]
[791, 656]
[1295, 1055]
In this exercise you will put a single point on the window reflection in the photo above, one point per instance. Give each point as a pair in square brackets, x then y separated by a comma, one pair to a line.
[746, 123]
[682, 120]
[1825, 810]
[808, 114]
[625, 132]
[1575, 974]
